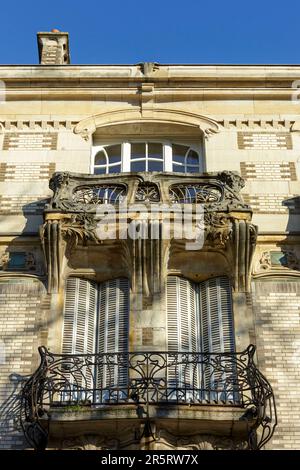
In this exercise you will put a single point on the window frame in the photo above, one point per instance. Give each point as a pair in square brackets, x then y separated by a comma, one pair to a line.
[167, 153]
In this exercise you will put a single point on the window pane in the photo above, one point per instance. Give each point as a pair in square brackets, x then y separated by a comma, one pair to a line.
[192, 169]
[154, 165]
[138, 166]
[138, 150]
[100, 158]
[178, 168]
[192, 158]
[155, 150]
[114, 169]
[100, 171]
[179, 152]
[114, 153]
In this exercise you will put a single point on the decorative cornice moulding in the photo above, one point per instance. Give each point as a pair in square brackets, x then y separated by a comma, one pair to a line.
[216, 123]
[88, 126]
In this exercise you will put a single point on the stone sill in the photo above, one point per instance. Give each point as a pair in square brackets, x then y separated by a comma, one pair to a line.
[182, 419]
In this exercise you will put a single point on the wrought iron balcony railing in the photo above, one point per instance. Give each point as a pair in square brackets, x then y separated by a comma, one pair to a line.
[149, 378]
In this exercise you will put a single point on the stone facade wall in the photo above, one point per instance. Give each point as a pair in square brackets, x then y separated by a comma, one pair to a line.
[257, 137]
[277, 321]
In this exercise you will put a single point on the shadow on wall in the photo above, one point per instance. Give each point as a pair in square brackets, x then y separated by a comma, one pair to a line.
[20, 259]
[10, 412]
[293, 206]
[33, 209]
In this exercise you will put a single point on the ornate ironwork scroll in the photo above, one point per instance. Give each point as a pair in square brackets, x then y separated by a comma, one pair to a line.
[147, 192]
[150, 378]
[195, 193]
[99, 194]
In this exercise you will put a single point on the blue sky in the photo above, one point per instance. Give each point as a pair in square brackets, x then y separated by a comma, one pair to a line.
[165, 31]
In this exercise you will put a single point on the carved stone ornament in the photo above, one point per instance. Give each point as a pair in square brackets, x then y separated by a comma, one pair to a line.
[147, 192]
[4, 260]
[76, 206]
[218, 229]
[233, 180]
[148, 68]
[83, 193]
[233, 184]
[265, 261]
[164, 440]
[90, 442]
[285, 259]
[206, 125]
[29, 261]
[55, 235]
[161, 439]
[80, 227]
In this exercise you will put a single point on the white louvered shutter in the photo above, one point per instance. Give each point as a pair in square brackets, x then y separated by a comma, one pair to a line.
[216, 315]
[217, 334]
[113, 330]
[182, 333]
[79, 326]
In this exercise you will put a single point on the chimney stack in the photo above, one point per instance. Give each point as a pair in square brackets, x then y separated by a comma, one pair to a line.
[53, 48]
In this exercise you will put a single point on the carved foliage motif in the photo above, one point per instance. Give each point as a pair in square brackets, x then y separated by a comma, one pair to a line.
[278, 259]
[162, 440]
[90, 442]
[4, 260]
[147, 192]
[80, 227]
[217, 192]
[217, 229]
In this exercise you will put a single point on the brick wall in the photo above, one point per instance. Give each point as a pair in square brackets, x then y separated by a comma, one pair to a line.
[21, 332]
[22, 204]
[269, 171]
[30, 141]
[277, 317]
[264, 141]
[26, 171]
[273, 203]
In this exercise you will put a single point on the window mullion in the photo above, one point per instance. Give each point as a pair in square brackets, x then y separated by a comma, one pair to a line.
[167, 152]
[125, 158]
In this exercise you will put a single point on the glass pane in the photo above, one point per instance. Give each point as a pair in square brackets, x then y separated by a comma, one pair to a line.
[154, 165]
[114, 153]
[278, 258]
[155, 150]
[100, 158]
[192, 169]
[17, 260]
[100, 171]
[138, 166]
[179, 152]
[192, 158]
[138, 150]
[178, 168]
[114, 169]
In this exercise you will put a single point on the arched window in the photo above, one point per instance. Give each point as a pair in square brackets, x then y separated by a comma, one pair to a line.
[108, 160]
[185, 159]
[136, 156]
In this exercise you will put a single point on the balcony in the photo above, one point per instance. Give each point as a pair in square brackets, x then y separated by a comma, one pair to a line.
[216, 393]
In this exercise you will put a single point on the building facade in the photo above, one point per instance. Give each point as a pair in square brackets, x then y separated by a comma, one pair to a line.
[149, 255]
